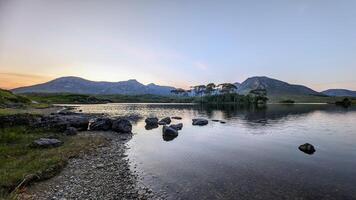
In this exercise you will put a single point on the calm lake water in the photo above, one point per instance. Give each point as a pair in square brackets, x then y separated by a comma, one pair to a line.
[254, 155]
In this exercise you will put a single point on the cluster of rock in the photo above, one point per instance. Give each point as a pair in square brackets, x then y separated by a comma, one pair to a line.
[120, 125]
[169, 132]
[69, 124]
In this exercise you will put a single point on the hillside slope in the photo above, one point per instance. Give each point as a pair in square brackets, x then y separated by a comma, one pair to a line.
[339, 93]
[274, 87]
[78, 85]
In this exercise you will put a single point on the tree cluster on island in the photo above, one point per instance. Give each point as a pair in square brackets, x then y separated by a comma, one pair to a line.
[224, 93]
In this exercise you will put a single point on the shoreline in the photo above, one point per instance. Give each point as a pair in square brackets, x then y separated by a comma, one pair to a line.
[101, 174]
[102, 170]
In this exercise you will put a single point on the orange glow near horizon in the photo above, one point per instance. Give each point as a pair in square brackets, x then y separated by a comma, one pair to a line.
[15, 80]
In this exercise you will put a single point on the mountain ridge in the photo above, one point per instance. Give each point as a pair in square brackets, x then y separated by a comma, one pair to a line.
[72, 84]
[78, 85]
[274, 87]
[339, 93]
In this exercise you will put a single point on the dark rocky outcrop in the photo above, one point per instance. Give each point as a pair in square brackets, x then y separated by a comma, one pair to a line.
[151, 121]
[222, 122]
[307, 148]
[101, 124]
[215, 120]
[169, 133]
[200, 122]
[46, 143]
[166, 120]
[62, 122]
[121, 126]
[71, 131]
[177, 126]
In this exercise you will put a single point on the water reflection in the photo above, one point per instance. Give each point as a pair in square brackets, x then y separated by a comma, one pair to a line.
[255, 155]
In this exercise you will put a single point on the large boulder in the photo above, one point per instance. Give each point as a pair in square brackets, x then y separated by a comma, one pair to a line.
[177, 126]
[121, 126]
[200, 122]
[307, 148]
[46, 143]
[71, 131]
[101, 124]
[169, 133]
[166, 120]
[151, 121]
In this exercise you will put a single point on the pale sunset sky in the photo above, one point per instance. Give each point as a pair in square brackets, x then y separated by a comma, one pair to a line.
[179, 42]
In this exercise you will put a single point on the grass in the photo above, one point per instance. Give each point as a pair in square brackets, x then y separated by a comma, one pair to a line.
[7, 98]
[64, 98]
[18, 161]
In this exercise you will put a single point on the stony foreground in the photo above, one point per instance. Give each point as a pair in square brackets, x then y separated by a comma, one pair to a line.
[104, 174]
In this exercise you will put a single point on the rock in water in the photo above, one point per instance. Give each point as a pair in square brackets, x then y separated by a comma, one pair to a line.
[200, 122]
[101, 124]
[169, 133]
[71, 131]
[151, 121]
[166, 120]
[162, 123]
[307, 148]
[215, 120]
[46, 143]
[177, 126]
[222, 122]
[175, 117]
[122, 126]
[150, 127]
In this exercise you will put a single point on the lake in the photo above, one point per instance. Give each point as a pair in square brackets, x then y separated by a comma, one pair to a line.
[254, 155]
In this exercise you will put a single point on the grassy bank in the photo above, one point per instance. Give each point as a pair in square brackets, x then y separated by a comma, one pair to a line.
[21, 164]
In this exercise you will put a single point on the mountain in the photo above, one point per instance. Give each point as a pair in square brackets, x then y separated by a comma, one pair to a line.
[82, 86]
[339, 93]
[274, 87]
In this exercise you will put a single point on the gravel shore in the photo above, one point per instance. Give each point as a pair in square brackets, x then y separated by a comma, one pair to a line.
[102, 174]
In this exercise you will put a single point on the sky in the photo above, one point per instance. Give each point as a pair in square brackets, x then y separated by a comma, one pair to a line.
[179, 42]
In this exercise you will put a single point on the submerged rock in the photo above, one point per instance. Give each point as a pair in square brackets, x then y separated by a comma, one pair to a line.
[200, 122]
[215, 120]
[177, 126]
[151, 121]
[122, 126]
[307, 148]
[101, 124]
[46, 143]
[222, 122]
[71, 131]
[176, 117]
[166, 120]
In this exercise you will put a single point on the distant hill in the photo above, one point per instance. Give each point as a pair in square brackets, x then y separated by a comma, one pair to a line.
[8, 99]
[274, 87]
[78, 85]
[339, 93]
